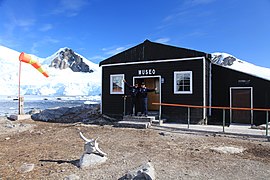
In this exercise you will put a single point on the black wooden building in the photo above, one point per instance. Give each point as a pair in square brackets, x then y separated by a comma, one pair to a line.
[181, 76]
[232, 88]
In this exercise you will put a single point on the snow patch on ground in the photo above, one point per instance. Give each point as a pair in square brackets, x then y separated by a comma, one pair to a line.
[228, 149]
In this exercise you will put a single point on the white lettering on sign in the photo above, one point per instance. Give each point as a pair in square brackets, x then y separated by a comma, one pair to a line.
[146, 71]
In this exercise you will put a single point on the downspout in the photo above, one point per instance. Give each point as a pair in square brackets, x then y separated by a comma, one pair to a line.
[210, 89]
[204, 88]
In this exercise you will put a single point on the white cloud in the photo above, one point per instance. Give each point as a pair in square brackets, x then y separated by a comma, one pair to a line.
[196, 33]
[162, 40]
[46, 27]
[185, 14]
[112, 50]
[15, 22]
[25, 23]
[42, 43]
[70, 7]
[96, 58]
[11, 28]
[75, 5]
[199, 2]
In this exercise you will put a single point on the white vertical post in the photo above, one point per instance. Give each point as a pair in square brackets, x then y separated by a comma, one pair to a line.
[19, 93]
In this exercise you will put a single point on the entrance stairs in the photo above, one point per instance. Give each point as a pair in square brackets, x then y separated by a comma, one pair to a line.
[139, 122]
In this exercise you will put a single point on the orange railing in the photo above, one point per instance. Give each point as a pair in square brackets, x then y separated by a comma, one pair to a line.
[218, 107]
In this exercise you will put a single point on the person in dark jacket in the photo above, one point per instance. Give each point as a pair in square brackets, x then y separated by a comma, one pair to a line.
[143, 98]
[133, 91]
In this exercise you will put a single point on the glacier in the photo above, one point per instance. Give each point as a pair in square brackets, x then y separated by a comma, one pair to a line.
[59, 83]
[65, 82]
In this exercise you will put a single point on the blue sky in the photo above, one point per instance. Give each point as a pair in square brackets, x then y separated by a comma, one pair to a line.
[97, 29]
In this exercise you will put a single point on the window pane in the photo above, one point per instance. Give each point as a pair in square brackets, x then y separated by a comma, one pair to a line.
[116, 84]
[186, 88]
[186, 83]
[183, 82]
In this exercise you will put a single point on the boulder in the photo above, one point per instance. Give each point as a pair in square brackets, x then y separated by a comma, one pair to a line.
[144, 172]
[88, 160]
[88, 113]
[26, 168]
[72, 177]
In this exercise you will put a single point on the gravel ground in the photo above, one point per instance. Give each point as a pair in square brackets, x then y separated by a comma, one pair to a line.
[52, 150]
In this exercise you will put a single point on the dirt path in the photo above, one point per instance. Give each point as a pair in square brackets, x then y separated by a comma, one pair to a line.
[54, 149]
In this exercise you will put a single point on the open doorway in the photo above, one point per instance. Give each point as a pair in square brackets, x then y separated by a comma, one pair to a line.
[153, 97]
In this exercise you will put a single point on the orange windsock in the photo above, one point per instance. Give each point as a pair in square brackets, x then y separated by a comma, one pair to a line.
[28, 59]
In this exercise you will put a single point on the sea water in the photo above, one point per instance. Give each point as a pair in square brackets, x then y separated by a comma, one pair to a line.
[10, 105]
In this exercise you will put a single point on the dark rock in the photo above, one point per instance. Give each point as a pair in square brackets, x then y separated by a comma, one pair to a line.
[162, 133]
[144, 172]
[68, 59]
[89, 113]
[228, 61]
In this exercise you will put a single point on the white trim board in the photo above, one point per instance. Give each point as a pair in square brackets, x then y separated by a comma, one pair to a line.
[153, 61]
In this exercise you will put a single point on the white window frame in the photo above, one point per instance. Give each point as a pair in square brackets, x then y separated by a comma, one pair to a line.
[114, 77]
[175, 82]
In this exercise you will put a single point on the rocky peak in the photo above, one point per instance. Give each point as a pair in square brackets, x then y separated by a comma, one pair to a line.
[221, 60]
[67, 58]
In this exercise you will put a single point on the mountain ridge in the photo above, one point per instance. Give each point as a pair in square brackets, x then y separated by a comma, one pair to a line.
[229, 61]
[59, 83]
[67, 82]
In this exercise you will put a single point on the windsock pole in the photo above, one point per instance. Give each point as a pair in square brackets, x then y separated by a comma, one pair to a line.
[20, 110]
[27, 59]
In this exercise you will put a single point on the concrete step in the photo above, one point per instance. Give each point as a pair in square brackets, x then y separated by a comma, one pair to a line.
[133, 124]
[139, 118]
[158, 122]
[20, 117]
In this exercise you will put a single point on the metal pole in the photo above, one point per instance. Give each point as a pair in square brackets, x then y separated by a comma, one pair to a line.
[224, 115]
[159, 115]
[124, 113]
[19, 93]
[251, 118]
[267, 123]
[188, 116]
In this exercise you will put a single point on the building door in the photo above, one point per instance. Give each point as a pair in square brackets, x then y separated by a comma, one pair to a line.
[242, 98]
[153, 97]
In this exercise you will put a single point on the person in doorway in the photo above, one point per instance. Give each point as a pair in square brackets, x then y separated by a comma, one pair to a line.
[143, 98]
[133, 90]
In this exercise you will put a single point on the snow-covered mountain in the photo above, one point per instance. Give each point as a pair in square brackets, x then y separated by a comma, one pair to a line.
[70, 74]
[229, 61]
[61, 81]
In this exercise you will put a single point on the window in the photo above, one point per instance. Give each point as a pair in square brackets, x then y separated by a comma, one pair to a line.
[117, 84]
[183, 82]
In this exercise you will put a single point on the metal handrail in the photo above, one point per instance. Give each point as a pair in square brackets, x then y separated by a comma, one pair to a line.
[218, 107]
